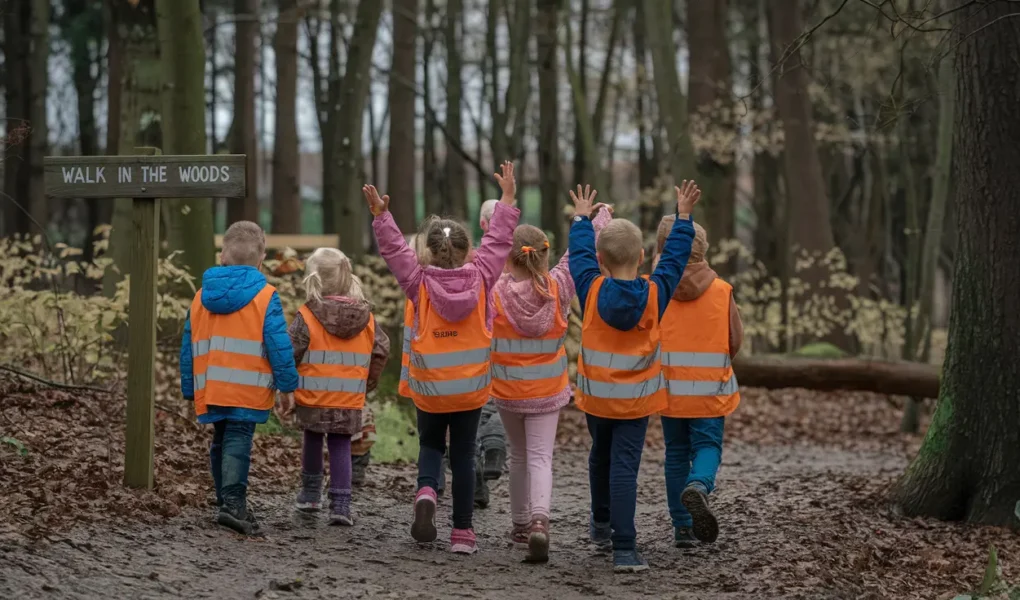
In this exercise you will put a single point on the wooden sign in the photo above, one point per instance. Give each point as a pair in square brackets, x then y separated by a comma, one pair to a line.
[213, 176]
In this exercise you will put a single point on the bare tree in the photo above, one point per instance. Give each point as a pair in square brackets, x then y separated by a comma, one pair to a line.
[400, 165]
[456, 176]
[546, 24]
[244, 138]
[286, 202]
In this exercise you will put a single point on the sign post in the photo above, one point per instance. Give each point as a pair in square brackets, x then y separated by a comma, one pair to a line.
[145, 178]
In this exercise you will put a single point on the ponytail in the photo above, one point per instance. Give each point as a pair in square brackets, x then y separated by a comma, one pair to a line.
[531, 253]
[330, 274]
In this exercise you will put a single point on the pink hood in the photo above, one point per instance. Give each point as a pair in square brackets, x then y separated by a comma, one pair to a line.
[454, 293]
[530, 313]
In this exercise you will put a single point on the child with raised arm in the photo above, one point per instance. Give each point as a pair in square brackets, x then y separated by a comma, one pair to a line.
[234, 352]
[340, 353]
[448, 366]
[619, 374]
[530, 382]
[701, 333]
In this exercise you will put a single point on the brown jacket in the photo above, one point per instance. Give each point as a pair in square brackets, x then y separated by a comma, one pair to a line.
[696, 279]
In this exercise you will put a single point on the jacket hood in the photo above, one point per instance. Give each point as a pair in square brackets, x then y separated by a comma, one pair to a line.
[226, 290]
[341, 316]
[697, 277]
[454, 293]
[530, 313]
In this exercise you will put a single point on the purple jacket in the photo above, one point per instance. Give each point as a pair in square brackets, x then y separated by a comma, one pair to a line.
[532, 315]
[454, 292]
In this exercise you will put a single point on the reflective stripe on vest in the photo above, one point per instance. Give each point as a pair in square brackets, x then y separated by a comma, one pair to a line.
[619, 373]
[527, 346]
[448, 363]
[333, 373]
[229, 362]
[695, 355]
[402, 387]
[532, 373]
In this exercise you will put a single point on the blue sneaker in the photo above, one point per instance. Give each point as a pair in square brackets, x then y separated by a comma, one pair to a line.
[683, 537]
[601, 534]
[628, 561]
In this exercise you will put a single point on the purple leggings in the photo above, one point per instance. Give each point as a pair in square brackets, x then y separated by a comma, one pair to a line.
[339, 459]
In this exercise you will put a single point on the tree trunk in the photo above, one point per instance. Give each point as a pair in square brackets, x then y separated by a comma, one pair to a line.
[647, 168]
[182, 57]
[711, 110]
[17, 81]
[39, 142]
[583, 132]
[658, 26]
[430, 165]
[546, 25]
[883, 377]
[966, 468]
[456, 176]
[244, 139]
[286, 199]
[347, 167]
[138, 95]
[400, 161]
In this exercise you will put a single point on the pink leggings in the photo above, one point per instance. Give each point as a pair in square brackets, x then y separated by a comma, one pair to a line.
[531, 438]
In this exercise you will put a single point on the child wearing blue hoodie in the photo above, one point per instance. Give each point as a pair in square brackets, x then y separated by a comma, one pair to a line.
[619, 372]
[235, 352]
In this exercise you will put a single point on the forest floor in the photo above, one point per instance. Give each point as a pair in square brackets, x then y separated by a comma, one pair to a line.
[801, 499]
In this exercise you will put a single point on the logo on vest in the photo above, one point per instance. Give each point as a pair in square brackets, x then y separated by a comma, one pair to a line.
[444, 334]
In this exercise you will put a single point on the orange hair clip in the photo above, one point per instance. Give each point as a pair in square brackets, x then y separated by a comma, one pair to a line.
[527, 249]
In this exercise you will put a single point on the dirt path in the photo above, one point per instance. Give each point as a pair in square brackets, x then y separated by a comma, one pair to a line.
[795, 523]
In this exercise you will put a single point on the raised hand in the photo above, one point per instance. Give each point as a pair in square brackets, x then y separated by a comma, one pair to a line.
[507, 183]
[687, 195]
[583, 201]
[375, 204]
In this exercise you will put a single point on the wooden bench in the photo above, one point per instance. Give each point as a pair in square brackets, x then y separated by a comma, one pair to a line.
[299, 242]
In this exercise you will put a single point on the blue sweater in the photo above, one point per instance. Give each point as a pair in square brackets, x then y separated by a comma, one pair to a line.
[227, 290]
[621, 302]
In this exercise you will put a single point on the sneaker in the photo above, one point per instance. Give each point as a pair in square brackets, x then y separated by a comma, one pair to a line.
[683, 537]
[538, 540]
[519, 534]
[481, 492]
[601, 535]
[309, 497]
[629, 561]
[462, 541]
[359, 464]
[705, 525]
[492, 464]
[242, 520]
[423, 529]
[340, 509]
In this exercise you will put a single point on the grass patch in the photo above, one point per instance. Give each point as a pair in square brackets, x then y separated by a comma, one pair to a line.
[396, 436]
[274, 427]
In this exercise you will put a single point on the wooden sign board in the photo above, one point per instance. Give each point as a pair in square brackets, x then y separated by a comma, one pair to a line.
[205, 176]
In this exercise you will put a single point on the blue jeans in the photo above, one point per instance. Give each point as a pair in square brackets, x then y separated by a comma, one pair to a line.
[612, 473]
[693, 454]
[230, 459]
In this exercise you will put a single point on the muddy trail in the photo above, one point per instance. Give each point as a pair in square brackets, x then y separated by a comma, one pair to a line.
[801, 500]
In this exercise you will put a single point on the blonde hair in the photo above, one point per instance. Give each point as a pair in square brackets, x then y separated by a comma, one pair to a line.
[698, 249]
[531, 253]
[417, 243]
[620, 244]
[244, 243]
[329, 273]
[445, 244]
[487, 210]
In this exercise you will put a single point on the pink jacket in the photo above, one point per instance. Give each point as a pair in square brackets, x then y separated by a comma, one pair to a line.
[532, 315]
[454, 292]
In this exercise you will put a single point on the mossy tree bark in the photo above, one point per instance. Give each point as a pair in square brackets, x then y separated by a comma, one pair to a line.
[966, 468]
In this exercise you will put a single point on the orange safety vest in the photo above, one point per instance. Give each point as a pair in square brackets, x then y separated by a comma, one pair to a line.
[524, 368]
[619, 375]
[405, 355]
[229, 359]
[333, 373]
[696, 355]
[448, 367]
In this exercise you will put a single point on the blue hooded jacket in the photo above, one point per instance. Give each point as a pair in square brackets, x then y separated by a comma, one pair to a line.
[227, 290]
[621, 302]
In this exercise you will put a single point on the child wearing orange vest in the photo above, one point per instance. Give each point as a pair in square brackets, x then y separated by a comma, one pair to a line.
[619, 374]
[701, 333]
[448, 366]
[530, 380]
[234, 352]
[340, 353]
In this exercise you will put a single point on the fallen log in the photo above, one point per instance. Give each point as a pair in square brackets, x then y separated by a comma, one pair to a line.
[864, 375]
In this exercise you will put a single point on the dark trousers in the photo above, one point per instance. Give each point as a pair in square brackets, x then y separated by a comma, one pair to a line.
[613, 471]
[230, 460]
[463, 427]
[693, 454]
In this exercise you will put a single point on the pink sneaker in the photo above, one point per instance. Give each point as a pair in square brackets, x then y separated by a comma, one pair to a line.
[519, 535]
[423, 529]
[462, 541]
